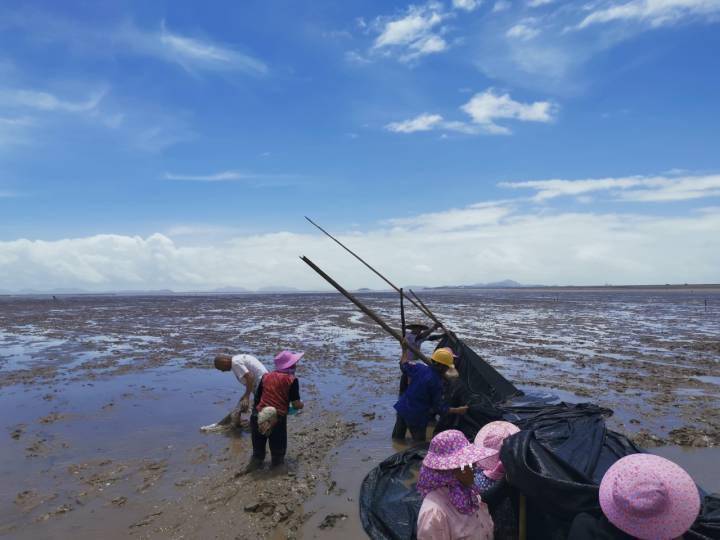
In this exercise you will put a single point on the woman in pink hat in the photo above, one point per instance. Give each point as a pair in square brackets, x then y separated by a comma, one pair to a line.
[642, 496]
[278, 389]
[451, 507]
[491, 437]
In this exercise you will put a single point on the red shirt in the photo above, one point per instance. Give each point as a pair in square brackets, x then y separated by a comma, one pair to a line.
[276, 392]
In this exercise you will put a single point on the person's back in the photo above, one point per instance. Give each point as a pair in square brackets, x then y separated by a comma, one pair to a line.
[276, 391]
[247, 363]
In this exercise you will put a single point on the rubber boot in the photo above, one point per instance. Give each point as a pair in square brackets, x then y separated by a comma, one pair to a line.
[253, 465]
[278, 460]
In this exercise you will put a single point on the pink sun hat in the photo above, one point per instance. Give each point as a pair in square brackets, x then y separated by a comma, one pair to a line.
[451, 450]
[649, 497]
[491, 437]
[287, 359]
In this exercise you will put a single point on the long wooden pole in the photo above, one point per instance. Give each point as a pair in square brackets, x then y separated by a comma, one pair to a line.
[402, 312]
[386, 280]
[362, 307]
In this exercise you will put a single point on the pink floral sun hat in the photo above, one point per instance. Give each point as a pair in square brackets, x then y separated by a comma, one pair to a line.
[649, 497]
[491, 437]
[451, 450]
[287, 359]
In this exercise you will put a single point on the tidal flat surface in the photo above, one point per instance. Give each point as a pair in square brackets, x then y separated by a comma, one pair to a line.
[102, 397]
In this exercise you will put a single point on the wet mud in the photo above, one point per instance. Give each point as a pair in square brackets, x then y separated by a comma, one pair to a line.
[101, 399]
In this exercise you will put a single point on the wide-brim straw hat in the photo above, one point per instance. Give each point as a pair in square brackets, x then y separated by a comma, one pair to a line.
[451, 450]
[491, 437]
[649, 497]
[287, 359]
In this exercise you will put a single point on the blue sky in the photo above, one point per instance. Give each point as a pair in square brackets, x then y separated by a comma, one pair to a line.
[214, 128]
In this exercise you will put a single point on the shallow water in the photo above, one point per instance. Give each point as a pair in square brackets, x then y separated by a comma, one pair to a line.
[106, 394]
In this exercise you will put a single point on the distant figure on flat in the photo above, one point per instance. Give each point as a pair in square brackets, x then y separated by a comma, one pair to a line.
[278, 396]
[249, 371]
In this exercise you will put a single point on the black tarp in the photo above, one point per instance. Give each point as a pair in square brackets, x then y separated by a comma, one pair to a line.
[556, 461]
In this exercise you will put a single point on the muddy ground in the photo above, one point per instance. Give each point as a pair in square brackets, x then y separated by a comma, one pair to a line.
[102, 399]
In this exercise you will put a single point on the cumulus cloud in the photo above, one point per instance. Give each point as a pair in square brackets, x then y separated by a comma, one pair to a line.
[483, 108]
[467, 5]
[484, 242]
[631, 188]
[539, 3]
[415, 33]
[522, 31]
[423, 122]
[654, 12]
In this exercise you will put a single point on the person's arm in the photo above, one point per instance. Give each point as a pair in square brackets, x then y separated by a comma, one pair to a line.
[404, 357]
[249, 381]
[422, 336]
[436, 337]
[295, 395]
[439, 404]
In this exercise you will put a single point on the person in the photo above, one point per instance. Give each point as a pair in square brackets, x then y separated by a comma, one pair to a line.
[249, 371]
[455, 394]
[642, 496]
[279, 389]
[423, 395]
[416, 335]
[491, 436]
[452, 508]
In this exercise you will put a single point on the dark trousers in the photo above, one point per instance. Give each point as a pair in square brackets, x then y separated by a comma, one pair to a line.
[401, 427]
[277, 440]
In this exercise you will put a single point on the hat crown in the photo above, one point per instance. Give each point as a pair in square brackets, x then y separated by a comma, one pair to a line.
[642, 497]
[448, 443]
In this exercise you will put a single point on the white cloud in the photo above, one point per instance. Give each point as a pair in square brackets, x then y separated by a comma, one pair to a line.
[423, 122]
[539, 3]
[486, 107]
[631, 188]
[522, 31]
[413, 34]
[480, 243]
[501, 5]
[204, 54]
[654, 12]
[467, 5]
[45, 101]
[222, 176]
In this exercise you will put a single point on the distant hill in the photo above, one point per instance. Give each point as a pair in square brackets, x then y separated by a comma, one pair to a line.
[230, 290]
[277, 288]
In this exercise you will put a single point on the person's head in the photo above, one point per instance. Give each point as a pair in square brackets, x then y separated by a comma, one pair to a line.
[465, 475]
[223, 362]
[649, 497]
[286, 361]
[442, 360]
[491, 437]
[416, 328]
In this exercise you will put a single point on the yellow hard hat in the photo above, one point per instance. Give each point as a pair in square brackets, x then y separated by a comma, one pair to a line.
[444, 357]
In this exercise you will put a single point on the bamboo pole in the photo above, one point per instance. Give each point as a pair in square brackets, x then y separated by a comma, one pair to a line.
[427, 310]
[402, 312]
[386, 280]
[369, 312]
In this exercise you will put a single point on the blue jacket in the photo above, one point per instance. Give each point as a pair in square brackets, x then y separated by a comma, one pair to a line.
[424, 394]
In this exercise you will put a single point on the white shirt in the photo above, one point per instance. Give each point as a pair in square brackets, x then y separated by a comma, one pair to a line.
[244, 363]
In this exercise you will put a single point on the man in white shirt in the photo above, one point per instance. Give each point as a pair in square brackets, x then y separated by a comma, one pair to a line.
[249, 371]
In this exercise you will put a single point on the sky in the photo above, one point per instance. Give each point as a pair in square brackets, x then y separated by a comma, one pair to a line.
[178, 144]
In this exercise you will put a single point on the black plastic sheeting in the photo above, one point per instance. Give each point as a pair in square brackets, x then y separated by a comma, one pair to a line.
[556, 461]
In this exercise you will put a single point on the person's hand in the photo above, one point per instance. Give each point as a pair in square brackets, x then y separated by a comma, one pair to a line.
[245, 404]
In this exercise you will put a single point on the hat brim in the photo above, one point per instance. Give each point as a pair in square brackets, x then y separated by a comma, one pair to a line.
[511, 430]
[417, 326]
[469, 455]
[682, 510]
[289, 361]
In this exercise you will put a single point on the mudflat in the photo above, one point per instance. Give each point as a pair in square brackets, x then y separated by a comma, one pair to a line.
[103, 396]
